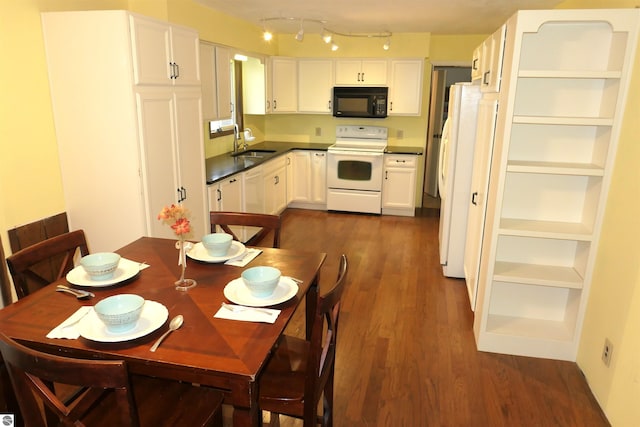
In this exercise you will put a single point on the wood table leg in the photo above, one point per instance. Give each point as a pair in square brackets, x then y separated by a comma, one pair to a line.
[246, 411]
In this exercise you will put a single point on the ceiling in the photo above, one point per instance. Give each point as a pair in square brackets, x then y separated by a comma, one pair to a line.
[378, 16]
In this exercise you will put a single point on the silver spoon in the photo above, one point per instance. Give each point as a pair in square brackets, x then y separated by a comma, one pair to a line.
[175, 323]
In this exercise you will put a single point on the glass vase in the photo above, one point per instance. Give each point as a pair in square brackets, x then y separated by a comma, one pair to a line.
[183, 284]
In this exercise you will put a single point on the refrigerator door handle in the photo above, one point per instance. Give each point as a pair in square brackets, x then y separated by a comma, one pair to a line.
[442, 159]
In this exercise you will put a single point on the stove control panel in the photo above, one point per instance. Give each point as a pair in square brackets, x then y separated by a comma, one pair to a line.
[361, 132]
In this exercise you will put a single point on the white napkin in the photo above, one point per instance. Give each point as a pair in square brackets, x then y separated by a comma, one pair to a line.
[244, 259]
[248, 314]
[69, 328]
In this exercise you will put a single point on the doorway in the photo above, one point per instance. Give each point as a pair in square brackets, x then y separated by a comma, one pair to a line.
[442, 77]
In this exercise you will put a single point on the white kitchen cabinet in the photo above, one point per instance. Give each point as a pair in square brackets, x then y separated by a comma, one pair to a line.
[171, 137]
[315, 83]
[125, 151]
[253, 197]
[289, 159]
[491, 57]
[361, 72]
[215, 66]
[227, 196]
[405, 90]
[274, 175]
[476, 74]
[485, 132]
[309, 179]
[284, 85]
[254, 88]
[399, 184]
[561, 101]
[164, 54]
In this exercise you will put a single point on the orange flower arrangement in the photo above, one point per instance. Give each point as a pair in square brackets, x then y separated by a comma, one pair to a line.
[177, 217]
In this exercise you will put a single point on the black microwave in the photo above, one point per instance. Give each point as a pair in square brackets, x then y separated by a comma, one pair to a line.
[368, 102]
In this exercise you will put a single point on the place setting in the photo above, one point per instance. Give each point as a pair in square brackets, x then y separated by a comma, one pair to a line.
[118, 318]
[104, 269]
[221, 248]
[256, 289]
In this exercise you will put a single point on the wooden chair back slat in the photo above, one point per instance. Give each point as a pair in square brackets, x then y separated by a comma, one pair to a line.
[267, 223]
[23, 265]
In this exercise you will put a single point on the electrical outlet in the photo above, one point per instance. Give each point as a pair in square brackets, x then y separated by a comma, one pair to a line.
[606, 352]
[400, 134]
[318, 131]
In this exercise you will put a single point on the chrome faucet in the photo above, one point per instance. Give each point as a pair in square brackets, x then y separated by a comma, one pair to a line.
[235, 138]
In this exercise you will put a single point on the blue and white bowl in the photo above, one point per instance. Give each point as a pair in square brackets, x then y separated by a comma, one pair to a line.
[120, 313]
[261, 281]
[217, 244]
[100, 265]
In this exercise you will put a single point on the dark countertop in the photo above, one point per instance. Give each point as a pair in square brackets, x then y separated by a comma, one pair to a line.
[225, 165]
[404, 150]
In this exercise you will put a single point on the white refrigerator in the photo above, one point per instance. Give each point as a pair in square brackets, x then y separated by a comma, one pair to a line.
[455, 167]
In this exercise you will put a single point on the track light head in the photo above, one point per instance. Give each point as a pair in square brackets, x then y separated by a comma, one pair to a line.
[387, 44]
[334, 47]
[300, 35]
[326, 36]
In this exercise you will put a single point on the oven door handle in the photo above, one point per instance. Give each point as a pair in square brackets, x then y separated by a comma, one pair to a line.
[356, 153]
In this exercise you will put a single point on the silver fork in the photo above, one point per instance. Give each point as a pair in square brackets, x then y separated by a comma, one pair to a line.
[241, 308]
[78, 293]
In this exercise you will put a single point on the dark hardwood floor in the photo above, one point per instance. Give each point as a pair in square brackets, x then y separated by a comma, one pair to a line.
[406, 351]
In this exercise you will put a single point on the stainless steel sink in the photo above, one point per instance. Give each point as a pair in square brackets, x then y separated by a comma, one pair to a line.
[256, 154]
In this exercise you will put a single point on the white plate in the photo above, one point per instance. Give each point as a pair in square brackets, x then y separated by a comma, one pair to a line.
[237, 292]
[126, 270]
[199, 252]
[152, 317]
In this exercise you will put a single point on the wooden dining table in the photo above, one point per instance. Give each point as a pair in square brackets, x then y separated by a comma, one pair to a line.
[225, 354]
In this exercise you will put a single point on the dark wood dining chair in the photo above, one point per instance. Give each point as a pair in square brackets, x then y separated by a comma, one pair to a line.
[300, 372]
[267, 223]
[110, 397]
[26, 264]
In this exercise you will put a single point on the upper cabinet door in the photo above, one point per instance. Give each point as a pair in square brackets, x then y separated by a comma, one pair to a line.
[357, 72]
[374, 72]
[405, 90]
[223, 82]
[164, 54]
[284, 85]
[151, 52]
[209, 83]
[491, 61]
[184, 52]
[315, 80]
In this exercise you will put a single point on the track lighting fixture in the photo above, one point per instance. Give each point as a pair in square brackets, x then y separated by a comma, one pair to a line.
[326, 33]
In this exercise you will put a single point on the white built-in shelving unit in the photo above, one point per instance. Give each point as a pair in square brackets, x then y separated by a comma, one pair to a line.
[562, 96]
